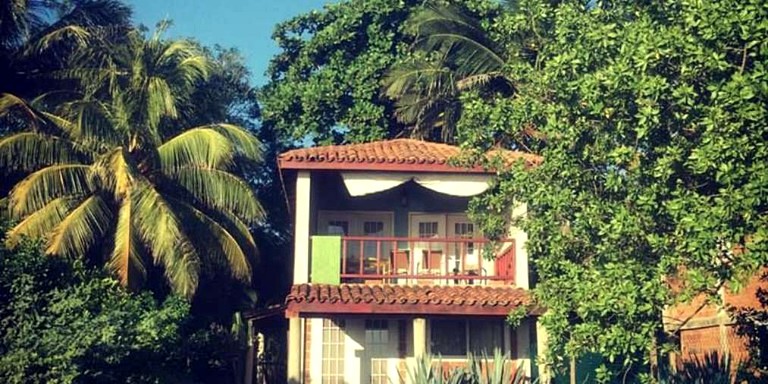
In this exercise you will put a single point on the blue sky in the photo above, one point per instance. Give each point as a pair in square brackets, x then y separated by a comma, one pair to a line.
[244, 24]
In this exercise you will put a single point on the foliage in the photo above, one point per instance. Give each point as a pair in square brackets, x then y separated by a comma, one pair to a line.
[709, 369]
[107, 174]
[752, 325]
[36, 37]
[479, 370]
[63, 322]
[454, 54]
[652, 129]
[325, 82]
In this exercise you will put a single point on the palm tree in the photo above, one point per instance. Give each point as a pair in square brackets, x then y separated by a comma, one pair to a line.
[453, 54]
[37, 37]
[105, 176]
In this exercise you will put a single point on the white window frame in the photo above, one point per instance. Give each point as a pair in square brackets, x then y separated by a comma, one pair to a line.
[337, 326]
[356, 220]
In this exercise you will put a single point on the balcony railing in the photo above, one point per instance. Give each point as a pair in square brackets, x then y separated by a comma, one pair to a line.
[398, 260]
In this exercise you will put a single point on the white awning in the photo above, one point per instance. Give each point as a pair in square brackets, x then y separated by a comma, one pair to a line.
[365, 183]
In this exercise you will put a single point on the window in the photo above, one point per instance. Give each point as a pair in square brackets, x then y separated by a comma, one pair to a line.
[465, 231]
[338, 227]
[427, 229]
[373, 228]
[457, 337]
[376, 343]
[333, 351]
[448, 337]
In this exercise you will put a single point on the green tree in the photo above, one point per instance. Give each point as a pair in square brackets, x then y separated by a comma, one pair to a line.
[37, 38]
[62, 323]
[113, 177]
[325, 84]
[653, 133]
[453, 54]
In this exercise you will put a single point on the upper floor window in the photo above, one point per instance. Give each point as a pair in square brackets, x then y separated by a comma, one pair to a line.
[428, 229]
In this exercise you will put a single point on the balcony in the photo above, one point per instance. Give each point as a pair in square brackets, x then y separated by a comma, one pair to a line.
[402, 260]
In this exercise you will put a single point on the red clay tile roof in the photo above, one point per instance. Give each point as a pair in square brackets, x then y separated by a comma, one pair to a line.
[387, 155]
[405, 299]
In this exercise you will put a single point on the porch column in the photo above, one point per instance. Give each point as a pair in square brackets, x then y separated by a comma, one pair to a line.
[294, 350]
[419, 337]
[541, 350]
[301, 229]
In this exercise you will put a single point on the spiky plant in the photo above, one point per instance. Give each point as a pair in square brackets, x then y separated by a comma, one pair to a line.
[479, 370]
[105, 176]
[711, 368]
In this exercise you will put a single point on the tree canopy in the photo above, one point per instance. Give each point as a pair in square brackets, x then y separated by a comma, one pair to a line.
[650, 117]
[325, 82]
[652, 121]
[110, 173]
[63, 322]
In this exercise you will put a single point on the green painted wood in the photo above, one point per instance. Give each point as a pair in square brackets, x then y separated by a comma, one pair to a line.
[326, 260]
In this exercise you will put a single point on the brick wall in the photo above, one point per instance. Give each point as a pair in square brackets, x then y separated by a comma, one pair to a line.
[695, 343]
[703, 333]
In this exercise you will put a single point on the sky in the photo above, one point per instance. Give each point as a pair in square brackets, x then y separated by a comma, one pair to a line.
[244, 24]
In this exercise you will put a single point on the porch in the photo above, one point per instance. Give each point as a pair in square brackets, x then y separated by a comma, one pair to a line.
[412, 260]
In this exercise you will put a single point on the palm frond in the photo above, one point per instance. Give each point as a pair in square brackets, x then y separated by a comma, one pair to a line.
[10, 104]
[81, 229]
[40, 187]
[70, 33]
[448, 28]
[160, 101]
[28, 151]
[41, 223]
[162, 232]
[127, 260]
[244, 143]
[202, 147]
[225, 243]
[219, 190]
[93, 123]
[117, 172]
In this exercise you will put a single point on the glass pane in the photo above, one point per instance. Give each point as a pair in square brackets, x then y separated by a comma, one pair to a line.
[428, 229]
[448, 337]
[485, 336]
[338, 227]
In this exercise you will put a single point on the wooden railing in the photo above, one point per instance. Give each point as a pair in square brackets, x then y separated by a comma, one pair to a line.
[398, 260]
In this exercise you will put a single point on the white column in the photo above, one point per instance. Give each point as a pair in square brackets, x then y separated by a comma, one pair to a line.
[521, 255]
[301, 229]
[294, 350]
[541, 351]
[419, 337]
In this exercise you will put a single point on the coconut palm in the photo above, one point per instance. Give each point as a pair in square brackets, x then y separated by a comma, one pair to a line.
[37, 37]
[453, 55]
[105, 176]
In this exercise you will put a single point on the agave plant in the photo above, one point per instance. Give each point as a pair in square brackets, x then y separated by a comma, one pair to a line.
[479, 370]
[712, 368]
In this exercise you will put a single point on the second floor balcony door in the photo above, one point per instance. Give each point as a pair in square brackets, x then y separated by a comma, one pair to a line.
[362, 256]
[429, 253]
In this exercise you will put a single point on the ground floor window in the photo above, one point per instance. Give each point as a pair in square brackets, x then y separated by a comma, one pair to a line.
[457, 337]
[333, 351]
[377, 344]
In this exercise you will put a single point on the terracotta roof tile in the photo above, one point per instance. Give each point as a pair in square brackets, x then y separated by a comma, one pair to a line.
[405, 299]
[393, 155]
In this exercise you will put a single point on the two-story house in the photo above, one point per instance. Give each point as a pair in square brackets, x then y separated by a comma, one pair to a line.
[388, 267]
